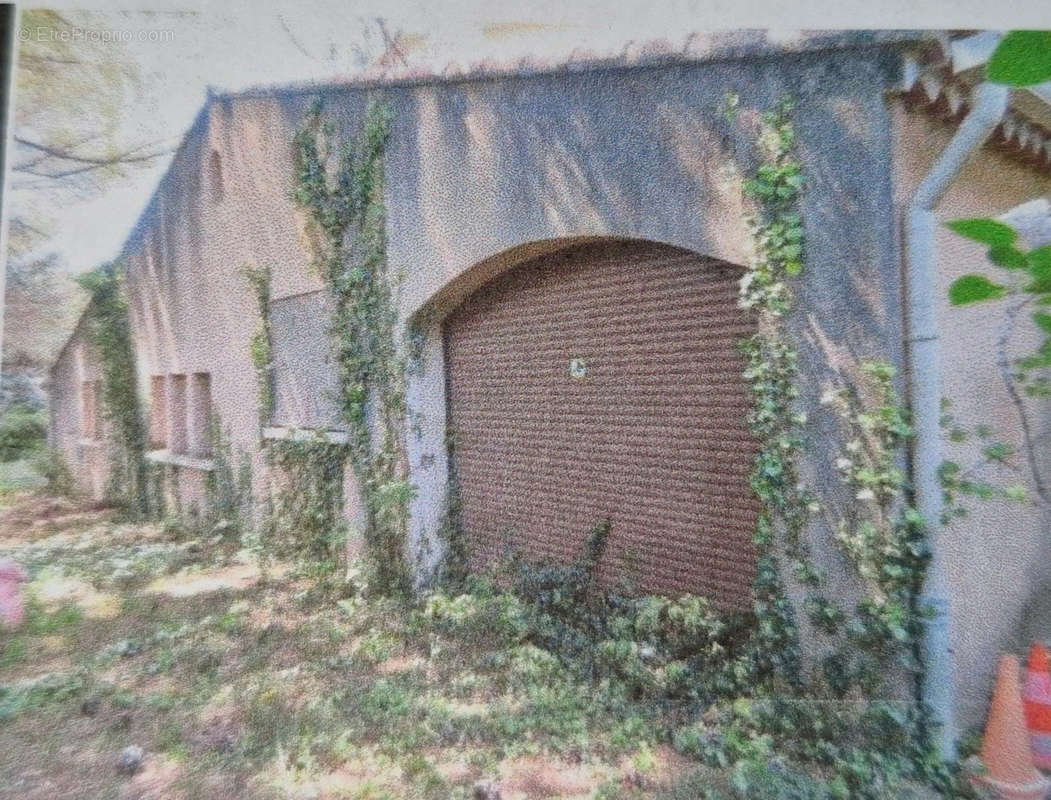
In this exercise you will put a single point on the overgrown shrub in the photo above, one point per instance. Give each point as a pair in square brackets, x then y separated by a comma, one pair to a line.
[22, 432]
[303, 521]
[52, 467]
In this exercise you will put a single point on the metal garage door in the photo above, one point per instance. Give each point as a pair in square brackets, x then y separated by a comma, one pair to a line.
[604, 382]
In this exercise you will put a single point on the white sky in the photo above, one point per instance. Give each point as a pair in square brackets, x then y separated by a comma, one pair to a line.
[232, 45]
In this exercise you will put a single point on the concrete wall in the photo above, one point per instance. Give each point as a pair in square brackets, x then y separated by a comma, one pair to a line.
[1000, 554]
[306, 383]
[484, 174]
[79, 440]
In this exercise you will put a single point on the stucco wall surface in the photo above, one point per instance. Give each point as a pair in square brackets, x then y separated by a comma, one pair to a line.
[86, 456]
[482, 174]
[1000, 554]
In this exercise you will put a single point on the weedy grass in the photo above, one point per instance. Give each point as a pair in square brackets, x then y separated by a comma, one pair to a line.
[271, 688]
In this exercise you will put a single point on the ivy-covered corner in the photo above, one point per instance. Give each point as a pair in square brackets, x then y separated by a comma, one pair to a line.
[261, 345]
[842, 715]
[109, 329]
[341, 189]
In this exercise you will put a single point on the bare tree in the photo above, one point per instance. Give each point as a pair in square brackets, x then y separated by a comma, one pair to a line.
[69, 144]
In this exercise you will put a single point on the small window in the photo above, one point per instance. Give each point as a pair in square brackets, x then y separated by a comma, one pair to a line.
[177, 414]
[200, 419]
[158, 412]
[156, 261]
[215, 176]
[90, 410]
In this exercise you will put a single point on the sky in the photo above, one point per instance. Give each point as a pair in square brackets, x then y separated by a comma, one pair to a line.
[231, 45]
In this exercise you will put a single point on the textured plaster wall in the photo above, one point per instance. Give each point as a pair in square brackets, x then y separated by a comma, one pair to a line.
[484, 174]
[306, 384]
[86, 458]
[1000, 555]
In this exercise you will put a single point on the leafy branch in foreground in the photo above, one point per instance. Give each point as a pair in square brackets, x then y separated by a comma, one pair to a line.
[1025, 282]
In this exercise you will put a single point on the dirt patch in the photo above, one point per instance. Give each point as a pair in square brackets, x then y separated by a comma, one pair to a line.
[189, 584]
[400, 664]
[157, 780]
[61, 590]
[536, 777]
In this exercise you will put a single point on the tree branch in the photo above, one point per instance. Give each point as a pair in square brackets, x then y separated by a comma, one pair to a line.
[1003, 362]
[127, 157]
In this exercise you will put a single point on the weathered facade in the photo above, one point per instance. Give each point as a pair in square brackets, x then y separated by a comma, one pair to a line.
[520, 206]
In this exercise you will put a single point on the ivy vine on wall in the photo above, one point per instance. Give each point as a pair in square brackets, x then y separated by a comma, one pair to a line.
[873, 741]
[304, 521]
[109, 329]
[772, 365]
[261, 346]
[342, 193]
[882, 537]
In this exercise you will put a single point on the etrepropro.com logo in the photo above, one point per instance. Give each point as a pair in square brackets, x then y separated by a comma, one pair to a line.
[74, 34]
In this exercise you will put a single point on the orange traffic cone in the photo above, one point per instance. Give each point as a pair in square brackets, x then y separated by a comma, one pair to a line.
[1036, 698]
[1010, 773]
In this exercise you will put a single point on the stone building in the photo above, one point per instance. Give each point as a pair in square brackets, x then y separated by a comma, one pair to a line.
[569, 239]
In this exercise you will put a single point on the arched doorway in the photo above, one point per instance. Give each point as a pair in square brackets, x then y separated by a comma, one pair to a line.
[603, 381]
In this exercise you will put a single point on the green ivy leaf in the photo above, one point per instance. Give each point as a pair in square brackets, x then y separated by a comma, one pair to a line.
[1023, 58]
[987, 231]
[1008, 257]
[1041, 274]
[974, 289]
[1041, 257]
[1016, 493]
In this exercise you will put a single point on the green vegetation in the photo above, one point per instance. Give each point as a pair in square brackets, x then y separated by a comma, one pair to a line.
[529, 678]
[348, 237]
[1023, 58]
[227, 486]
[836, 731]
[304, 520]
[22, 432]
[261, 345]
[777, 233]
[110, 332]
[1028, 277]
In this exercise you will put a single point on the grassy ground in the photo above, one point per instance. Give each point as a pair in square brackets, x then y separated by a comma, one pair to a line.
[15, 475]
[238, 684]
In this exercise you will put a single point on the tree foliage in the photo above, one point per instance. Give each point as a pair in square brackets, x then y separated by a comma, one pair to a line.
[1023, 58]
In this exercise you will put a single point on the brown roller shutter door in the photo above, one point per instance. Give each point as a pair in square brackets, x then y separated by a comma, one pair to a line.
[604, 382]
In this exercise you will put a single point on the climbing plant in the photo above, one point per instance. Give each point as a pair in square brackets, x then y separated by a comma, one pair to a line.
[882, 537]
[772, 364]
[868, 745]
[109, 329]
[342, 195]
[261, 344]
[304, 519]
[228, 485]
[962, 481]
